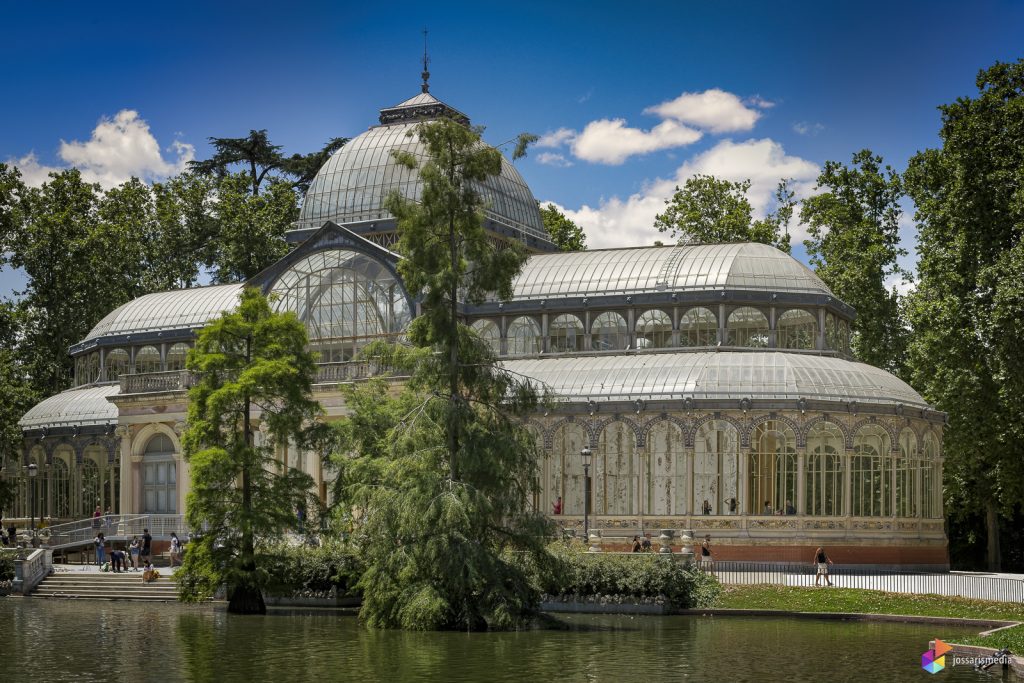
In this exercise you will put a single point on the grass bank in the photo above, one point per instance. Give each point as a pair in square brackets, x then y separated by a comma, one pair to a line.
[1012, 638]
[861, 601]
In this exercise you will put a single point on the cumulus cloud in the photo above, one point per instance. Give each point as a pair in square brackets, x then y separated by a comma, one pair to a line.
[630, 221]
[553, 159]
[713, 110]
[556, 138]
[807, 128]
[120, 147]
[611, 141]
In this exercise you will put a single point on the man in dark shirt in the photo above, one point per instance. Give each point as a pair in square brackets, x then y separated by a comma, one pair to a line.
[147, 545]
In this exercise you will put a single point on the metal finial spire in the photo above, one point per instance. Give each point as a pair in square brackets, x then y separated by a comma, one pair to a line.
[426, 60]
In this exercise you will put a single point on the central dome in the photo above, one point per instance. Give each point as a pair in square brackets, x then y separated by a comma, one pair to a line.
[354, 183]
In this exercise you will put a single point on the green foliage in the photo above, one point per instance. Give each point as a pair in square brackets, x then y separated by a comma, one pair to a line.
[298, 569]
[437, 479]
[854, 247]
[565, 234]
[7, 558]
[708, 210]
[1011, 639]
[970, 214]
[571, 570]
[250, 228]
[249, 359]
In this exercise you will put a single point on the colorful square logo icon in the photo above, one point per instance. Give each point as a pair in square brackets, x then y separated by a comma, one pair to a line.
[934, 660]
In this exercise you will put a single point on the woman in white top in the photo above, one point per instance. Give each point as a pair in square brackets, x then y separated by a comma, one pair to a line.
[133, 551]
[175, 550]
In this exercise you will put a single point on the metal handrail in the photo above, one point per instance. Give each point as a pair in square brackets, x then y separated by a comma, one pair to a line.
[113, 527]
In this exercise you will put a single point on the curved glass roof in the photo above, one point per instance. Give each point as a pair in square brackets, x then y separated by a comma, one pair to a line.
[741, 266]
[352, 186]
[82, 406]
[174, 310]
[710, 375]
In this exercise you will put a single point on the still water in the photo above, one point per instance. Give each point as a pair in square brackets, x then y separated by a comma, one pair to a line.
[47, 640]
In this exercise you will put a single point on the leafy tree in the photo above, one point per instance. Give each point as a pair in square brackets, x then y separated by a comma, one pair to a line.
[969, 299]
[709, 210]
[263, 161]
[565, 234]
[854, 247]
[18, 397]
[251, 357]
[185, 240]
[442, 483]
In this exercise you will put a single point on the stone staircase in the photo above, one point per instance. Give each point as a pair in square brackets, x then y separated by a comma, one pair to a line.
[106, 586]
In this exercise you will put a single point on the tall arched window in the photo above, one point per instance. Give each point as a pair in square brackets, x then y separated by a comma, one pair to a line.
[772, 468]
[523, 336]
[796, 329]
[716, 473]
[931, 482]
[832, 332]
[906, 481]
[92, 367]
[666, 475]
[176, 356]
[824, 472]
[565, 334]
[61, 477]
[870, 473]
[117, 363]
[698, 327]
[159, 477]
[565, 474]
[147, 359]
[844, 337]
[80, 371]
[608, 332]
[654, 330]
[748, 327]
[489, 332]
[345, 299]
[91, 488]
[616, 472]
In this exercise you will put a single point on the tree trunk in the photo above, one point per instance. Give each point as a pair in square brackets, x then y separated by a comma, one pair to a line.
[246, 600]
[992, 531]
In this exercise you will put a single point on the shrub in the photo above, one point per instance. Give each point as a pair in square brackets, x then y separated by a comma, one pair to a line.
[573, 571]
[309, 569]
[7, 565]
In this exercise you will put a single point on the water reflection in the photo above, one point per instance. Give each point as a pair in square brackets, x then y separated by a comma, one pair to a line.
[64, 641]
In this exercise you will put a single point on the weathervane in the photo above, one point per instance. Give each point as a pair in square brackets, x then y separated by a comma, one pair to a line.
[426, 61]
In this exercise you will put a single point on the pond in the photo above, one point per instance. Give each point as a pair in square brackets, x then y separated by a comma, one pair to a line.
[114, 641]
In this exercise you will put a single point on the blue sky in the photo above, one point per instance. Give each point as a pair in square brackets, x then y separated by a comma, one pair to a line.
[644, 93]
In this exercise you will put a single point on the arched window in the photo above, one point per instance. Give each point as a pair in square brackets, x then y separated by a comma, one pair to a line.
[489, 332]
[666, 475]
[80, 371]
[698, 327]
[832, 332]
[92, 367]
[159, 477]
[931, 481]
[616, 472]
[824, 475]
[61, 478]
[870, 473]
[654, 330]
[906, 469]
[772, 468]
[565, 334]
[844, 337]
[117, 363]
[176, 356]
[91, 487]
[565, 473]
[345, 299]
[748, 327]
[716, 472]
[796, 329]
[147, 359]
[523, 336]
[608, 332]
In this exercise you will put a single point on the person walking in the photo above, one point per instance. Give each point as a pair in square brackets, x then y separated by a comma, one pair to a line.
[147, 546]
[822, 560]
[133, 551]
[175, 549]
[100, 543]
[96, 515]
[707, 561]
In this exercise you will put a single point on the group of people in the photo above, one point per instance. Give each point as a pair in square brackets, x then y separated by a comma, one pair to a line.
[789, 509]
[9, 539]
[139, 555]
[642, 545]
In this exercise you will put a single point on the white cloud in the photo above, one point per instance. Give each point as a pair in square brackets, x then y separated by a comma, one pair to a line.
[553, 159]
[807, 128]
[611, 141]
[556, 138]
[120, 147]
[759, 102]
[33, 172]
[617, 222]
[713, 110]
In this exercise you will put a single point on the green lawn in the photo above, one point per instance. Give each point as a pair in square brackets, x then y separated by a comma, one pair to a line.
[867, 602]
[1012, 638]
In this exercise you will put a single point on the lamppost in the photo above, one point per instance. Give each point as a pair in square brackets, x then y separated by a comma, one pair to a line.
[33, 469]
[585, 455]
